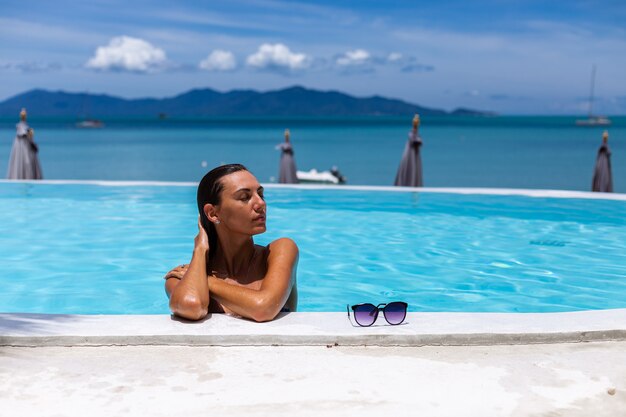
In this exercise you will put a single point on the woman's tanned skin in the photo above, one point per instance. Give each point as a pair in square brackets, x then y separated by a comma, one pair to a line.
[248, 280]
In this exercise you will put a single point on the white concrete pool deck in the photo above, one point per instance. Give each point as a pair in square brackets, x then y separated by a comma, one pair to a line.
[315, 364]
[574, 379]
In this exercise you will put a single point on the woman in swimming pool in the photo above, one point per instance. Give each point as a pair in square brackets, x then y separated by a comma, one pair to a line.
[228, 273]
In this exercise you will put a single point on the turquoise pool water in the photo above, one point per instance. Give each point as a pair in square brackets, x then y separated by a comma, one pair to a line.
[103, 249]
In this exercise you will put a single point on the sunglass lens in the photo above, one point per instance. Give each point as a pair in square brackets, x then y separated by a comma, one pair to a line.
[395, 312]
[365, 314]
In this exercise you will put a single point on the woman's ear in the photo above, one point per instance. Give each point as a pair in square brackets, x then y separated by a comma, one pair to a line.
[211, 212]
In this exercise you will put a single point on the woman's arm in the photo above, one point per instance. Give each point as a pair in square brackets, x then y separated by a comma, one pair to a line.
[266, 302]
[189, 297]
[173, 277]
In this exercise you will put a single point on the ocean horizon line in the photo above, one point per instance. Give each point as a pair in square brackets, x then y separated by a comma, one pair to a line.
[495, 121]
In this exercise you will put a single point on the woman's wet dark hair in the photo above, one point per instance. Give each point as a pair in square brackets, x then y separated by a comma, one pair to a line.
[210, 192]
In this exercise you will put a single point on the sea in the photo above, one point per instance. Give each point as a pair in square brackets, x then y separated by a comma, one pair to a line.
[533, 152]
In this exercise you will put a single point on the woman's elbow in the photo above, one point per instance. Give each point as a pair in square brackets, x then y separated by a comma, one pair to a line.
[263, 316]
[190, 308]
[264, 311]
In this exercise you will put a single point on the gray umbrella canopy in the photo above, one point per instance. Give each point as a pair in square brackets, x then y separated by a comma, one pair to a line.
[602, 175]
[287, 172]
[410, 169]
[23, 162]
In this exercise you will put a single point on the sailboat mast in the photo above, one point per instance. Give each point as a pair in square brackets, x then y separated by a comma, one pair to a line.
[593, 81]
[592, 120]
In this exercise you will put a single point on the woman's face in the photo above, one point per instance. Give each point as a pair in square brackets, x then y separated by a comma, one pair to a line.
[242, 207]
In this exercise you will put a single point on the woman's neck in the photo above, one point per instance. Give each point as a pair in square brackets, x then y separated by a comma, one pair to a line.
[235, 255]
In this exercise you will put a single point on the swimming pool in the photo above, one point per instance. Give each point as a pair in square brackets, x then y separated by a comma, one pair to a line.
[102, 248]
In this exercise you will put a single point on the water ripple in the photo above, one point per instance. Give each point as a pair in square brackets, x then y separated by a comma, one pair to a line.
[105, 249]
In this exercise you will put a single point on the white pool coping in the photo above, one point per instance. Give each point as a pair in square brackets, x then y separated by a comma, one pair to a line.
[313, 329]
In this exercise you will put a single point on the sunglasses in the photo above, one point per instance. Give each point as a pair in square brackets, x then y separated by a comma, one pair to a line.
[366, 314]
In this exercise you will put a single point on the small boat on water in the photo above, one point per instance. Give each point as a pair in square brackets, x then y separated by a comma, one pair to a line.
[86, 121]
[592, 120]
[90, 124]
[321, 177]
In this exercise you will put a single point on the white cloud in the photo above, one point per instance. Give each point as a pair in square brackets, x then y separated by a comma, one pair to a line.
[278, 56]
[352, 58]
[127, 54]
[219, 60]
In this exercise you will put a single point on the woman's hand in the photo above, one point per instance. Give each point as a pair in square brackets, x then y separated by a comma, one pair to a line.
[177, 272]
[201, 242]
[202, 239]
[189, 293]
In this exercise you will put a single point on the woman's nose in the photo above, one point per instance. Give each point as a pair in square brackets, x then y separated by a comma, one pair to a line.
[259, 203]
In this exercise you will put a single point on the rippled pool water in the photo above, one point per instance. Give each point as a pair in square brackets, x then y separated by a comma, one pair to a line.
[103, 249]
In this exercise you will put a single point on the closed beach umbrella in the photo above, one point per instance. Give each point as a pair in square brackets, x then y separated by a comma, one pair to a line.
[410, 169]
[602, 175]
[287, 173]
[23, 162]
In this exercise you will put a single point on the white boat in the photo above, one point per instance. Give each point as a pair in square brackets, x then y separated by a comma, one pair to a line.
[90, 124]
[321, 177]
[87, 122]
[592, 120]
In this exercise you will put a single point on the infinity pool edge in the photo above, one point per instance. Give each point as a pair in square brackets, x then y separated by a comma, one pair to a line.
[528, 192]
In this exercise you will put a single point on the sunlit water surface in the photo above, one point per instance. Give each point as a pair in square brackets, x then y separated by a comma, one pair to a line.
[91, 249]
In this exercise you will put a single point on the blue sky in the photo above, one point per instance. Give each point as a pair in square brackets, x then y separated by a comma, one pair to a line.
[508, 56]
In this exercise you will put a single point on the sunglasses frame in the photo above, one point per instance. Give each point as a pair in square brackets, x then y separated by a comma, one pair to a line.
[375, 312]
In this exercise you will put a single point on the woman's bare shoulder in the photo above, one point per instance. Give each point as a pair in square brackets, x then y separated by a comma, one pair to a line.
[283, 244]
[282, 248]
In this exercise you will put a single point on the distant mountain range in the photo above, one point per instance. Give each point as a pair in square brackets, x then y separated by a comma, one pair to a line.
[293, 101]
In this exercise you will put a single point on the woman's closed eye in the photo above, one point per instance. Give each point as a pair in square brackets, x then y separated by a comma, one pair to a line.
[243, 196]
[246, 195]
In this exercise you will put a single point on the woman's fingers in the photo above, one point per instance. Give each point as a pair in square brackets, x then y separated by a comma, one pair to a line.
[177, 272]
[174, 274]
[202, 239]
